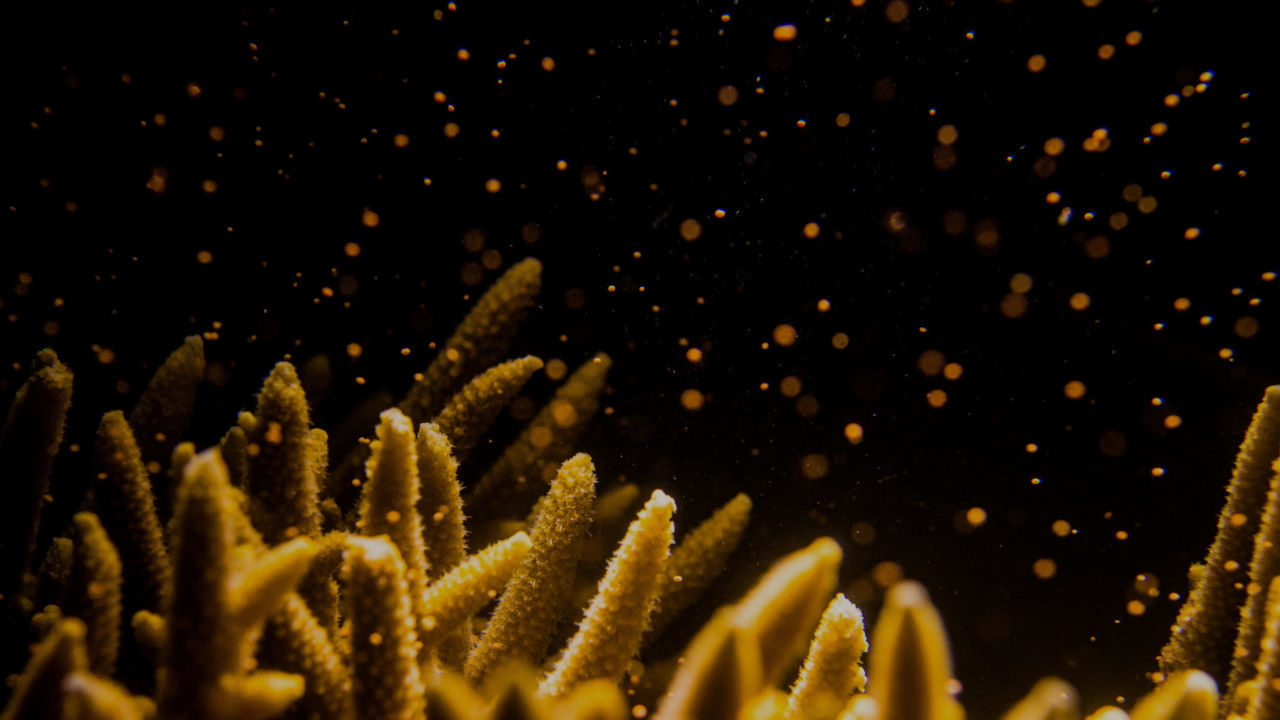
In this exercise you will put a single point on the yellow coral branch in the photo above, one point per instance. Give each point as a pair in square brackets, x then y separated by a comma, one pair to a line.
[1050, 699]
[698, 560]
[38, 692]
[910, 664]
[220, 595]
[163, 412]
[30, 438]
[609, 634]
[521, 627]
[480, 340]
[440, 501]
[1188, 695]
[547, 439]
[127, 508]
[833, 668]
[785, 605]
[720, 674]
[1202, 637]
[96, 579]
[471, 411]
[389, 500]
[89, 697]
[458, 595]
[384, 647]
[283, 489]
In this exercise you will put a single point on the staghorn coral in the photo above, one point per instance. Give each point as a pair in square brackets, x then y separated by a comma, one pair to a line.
[240, 612]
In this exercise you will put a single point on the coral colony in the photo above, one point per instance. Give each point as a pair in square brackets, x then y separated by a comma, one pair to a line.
[248, 580]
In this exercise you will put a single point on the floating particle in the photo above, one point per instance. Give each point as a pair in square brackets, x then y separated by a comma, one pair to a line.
[1074, 390]
[975, 516]
[897, 11]
[548, 63]
[824, 305]
[853, 433]
[807, 406]
[159, 180]
[1061, 528]
[1191, 233]
[1113, 443]
[1133, 37]
[1172, 421]
[1106, 51]
[785, 33]
[451, 130]
[1036, 63]
[815, 466]
[947, 134]
[842, 120]
[401, 140]
[1044, 568]
[691, 399]
[1054, 146]
[1013, 305]
[1135, 607]
[1245, 327]
[694, 355]
[936, 398]
[1020, 283]
[1182, 304]
[1079, 301]
[351, 249]
[369, 218]
[985, 236]
[217, 134]
[790, 386]
[811, 230]
[556, 369]
[492, 185]
[930, 362]
[1097, 247]
[690, 230]
[463, 54]
[784, 335]
[886, 573]
[840, 341]
[354, 350]
[727, 95]
[952, 371]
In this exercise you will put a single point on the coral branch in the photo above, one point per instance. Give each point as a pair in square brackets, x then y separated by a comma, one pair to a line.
[31, 436]
[609, 634]
[127, 508]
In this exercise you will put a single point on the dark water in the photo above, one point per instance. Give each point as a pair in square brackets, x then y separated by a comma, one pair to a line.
[267, 139]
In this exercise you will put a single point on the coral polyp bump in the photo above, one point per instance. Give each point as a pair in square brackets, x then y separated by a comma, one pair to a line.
[246, 581]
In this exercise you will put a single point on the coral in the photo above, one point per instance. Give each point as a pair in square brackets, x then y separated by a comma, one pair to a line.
[272, 592]
[31, 436]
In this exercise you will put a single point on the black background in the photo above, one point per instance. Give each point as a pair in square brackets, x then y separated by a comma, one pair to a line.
[93, 258]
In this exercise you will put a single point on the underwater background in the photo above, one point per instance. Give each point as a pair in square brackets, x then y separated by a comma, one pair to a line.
[980, 289]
